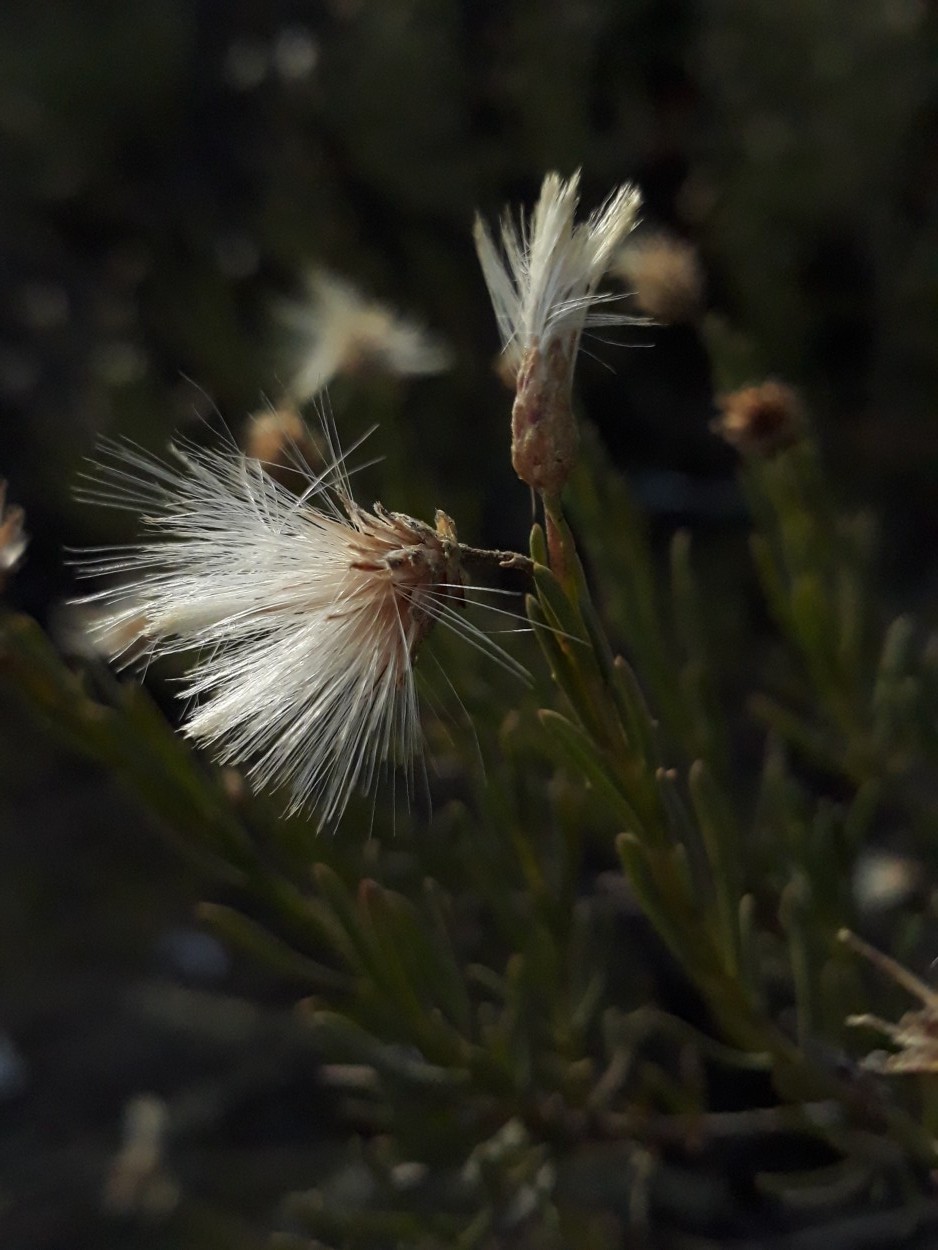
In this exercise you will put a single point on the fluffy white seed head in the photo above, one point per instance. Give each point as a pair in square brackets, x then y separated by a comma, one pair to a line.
[543, 281]
[306, 613]
[544, 288]
[338, 330]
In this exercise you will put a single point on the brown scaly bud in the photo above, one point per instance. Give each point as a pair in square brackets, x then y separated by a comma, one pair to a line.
[762, 420]
[544, 436]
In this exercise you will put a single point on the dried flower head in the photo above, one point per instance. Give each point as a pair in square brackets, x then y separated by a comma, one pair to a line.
[761, 420]
[341, 331]
[665, 275]
[915, 1034]
[13, 538]
[307, 612]
[543, 285]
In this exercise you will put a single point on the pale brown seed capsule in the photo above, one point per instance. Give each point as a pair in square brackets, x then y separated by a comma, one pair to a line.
[415, 564]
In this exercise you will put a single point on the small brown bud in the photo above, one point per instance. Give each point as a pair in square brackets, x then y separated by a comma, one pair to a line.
[761, 420]
[666, 277]
[282, 442]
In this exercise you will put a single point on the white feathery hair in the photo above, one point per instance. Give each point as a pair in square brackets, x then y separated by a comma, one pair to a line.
[543, 282]
[340, 330]
[306, 612]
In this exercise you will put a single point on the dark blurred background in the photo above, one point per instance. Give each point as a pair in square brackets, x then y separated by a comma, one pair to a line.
[169, 173]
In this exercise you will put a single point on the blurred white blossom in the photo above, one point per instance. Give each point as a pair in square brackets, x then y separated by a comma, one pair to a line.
[338, 330]
[665, 275]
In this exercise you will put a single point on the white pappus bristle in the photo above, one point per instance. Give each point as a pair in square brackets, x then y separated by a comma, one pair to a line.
[306, 613]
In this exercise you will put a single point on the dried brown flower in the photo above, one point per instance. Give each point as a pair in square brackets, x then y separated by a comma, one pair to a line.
[137, 1180]
[761, 420]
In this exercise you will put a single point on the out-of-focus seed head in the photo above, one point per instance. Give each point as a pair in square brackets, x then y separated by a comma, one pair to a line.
[665, 276]
[341, 331]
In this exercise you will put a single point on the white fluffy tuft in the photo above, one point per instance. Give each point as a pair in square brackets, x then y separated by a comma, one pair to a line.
[543, 281]
[339, 330]
[306, 613]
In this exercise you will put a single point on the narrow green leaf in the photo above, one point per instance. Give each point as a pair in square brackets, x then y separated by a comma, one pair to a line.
[538, 546]
[638, 869]
[581, 754]
[422, 980]
[717, 822]
[795, 916]
[750, 963]
[639, 726]
[348, 1042]
[240, 930]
